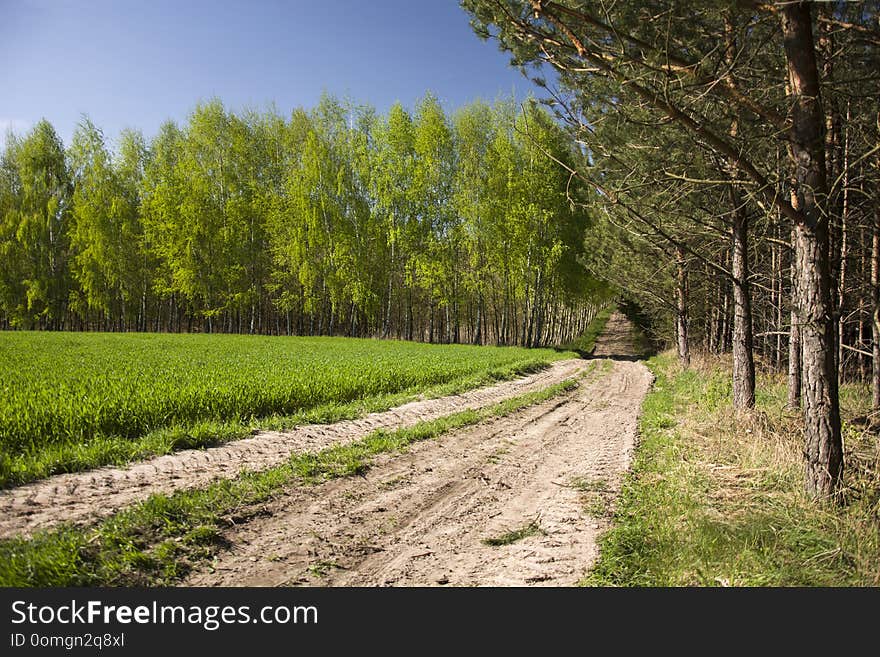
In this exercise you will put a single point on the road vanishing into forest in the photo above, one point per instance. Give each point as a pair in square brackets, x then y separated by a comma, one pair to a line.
[424, 517]
[514, 500]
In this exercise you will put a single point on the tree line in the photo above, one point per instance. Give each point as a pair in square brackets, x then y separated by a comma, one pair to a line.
[734, 150]
[333, 221]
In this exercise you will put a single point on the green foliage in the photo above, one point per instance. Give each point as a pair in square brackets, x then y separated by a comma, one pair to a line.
[586, 343]
[334, 221]
[106, 234]
[34, 229]
[72, 401]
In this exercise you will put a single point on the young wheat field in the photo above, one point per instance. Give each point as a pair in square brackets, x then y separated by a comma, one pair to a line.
[72, 401]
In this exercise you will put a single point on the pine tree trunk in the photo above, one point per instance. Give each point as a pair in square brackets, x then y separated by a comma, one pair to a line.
[743, 341]
[823, 449]
[681, 304]
[820, 398]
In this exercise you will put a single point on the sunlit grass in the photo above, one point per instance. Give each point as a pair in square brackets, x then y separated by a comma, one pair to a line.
[73, 401]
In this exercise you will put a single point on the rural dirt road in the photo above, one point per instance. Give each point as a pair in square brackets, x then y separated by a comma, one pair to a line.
[423, 517]
[85, 497]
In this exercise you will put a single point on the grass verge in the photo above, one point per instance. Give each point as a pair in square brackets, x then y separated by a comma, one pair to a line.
[715, 497]
[157, 542]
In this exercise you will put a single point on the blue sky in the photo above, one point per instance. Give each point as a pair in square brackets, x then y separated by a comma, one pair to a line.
[129, 63]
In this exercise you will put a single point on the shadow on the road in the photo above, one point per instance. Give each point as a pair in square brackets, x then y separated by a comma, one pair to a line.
[632, 358]
[589, 355]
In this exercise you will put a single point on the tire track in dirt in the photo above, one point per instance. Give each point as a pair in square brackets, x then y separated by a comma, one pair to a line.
[421, 517]
[86, 497]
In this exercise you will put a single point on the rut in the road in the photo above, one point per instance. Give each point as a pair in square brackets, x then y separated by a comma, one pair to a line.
[88, 496]
[422, 517]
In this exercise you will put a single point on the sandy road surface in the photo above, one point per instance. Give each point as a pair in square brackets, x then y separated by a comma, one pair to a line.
[422, 517]
[616, 340]
[87, 496]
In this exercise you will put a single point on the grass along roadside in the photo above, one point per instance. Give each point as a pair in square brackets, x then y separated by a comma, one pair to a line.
[41, 432]
[715, 498]
[156, 542]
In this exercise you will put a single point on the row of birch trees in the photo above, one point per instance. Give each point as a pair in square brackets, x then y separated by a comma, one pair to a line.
[417, 225]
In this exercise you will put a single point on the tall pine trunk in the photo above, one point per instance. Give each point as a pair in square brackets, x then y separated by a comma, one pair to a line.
[681, 306]
[743, 340]
[823, 450]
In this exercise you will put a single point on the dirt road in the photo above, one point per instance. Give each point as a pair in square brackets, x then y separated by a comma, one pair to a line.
[537, 484]
[84, 497]
[616, 340]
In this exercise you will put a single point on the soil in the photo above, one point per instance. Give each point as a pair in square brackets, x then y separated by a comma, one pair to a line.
[541, 482]
[85, 497]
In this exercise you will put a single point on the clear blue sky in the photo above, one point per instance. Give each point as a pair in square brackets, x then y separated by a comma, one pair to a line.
[135, 63]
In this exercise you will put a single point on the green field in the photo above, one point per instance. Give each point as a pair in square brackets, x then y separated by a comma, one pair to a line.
[71, 401]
